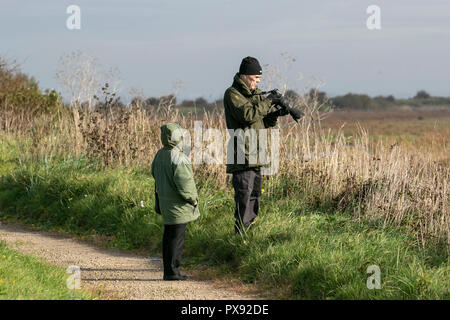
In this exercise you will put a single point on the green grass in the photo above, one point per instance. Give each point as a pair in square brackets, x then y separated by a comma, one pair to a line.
[27, 278]
[317, 255]
[296, 251]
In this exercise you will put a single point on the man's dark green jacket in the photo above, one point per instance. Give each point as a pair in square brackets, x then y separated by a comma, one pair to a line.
[174, 178]
[244, 109]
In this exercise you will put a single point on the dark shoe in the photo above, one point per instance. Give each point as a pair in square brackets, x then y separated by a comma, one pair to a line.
[176, 277]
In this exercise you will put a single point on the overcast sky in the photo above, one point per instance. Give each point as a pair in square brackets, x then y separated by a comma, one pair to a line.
[155, 44]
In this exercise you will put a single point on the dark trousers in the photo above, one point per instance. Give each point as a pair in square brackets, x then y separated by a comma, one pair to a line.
[247, 195]
[173, 244]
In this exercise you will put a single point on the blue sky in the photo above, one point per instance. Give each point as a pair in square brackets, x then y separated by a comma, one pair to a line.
[201, 43]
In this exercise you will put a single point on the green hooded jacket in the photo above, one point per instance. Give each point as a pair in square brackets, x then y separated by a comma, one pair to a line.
[174, 178]
[244, 109]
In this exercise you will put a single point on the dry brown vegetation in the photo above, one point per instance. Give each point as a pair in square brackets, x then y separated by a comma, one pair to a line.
[398, 180]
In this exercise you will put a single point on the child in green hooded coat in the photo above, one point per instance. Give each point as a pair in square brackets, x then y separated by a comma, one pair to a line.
[176, 195]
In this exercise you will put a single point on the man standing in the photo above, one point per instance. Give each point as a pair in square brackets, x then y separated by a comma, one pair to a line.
[245, 109]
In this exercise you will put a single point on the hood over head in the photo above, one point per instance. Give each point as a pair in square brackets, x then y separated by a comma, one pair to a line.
[171, 135]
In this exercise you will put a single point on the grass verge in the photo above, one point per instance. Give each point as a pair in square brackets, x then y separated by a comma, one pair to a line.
[24, 277]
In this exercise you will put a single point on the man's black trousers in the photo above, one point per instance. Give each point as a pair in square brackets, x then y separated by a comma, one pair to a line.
[247, 195]
[173, 244]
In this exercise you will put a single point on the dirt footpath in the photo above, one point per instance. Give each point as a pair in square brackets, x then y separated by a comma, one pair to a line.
[118, 274]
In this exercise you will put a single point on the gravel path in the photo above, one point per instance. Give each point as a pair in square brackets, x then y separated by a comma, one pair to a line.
[118, 274]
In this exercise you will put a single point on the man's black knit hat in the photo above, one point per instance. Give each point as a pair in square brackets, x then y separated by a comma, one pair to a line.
[250, 66]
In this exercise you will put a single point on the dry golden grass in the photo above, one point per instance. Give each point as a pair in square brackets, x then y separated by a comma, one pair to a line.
[420, 131]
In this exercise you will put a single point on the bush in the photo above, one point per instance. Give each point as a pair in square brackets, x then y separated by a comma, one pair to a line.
[353, 101]
[21, 93]
[422, 94]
